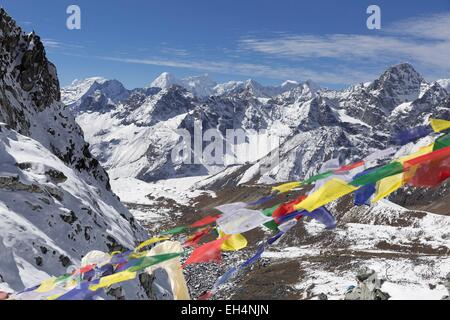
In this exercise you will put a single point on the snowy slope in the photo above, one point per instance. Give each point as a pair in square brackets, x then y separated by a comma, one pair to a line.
[78, 89]
[51, 217]
[408, 249]
[200, 86]
[444, 83]
[56, 203]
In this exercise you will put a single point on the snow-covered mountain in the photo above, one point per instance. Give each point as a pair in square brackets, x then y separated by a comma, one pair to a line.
[444, 83]
[78, 88]
[56, 203]
[203, 86]
[313, 124]
[97, 91]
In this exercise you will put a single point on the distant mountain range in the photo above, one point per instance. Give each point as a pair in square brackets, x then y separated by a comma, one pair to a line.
[131, 132]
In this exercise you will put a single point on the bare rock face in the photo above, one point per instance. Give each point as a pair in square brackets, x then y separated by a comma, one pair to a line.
[30, 99]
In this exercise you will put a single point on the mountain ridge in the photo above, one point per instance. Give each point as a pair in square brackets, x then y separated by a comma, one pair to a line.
[56, 203]
[359, 120]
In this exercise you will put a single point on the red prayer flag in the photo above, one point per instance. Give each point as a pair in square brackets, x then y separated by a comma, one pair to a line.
[206, 296]
[430, 174]
[435, 155]
[195, 239]
[205, 221]
[428, 170]
[209, 252]
[286, 208]
[84, 269]
[350, 167]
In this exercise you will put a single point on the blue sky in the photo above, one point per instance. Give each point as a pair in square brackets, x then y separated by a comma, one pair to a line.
[270, 41]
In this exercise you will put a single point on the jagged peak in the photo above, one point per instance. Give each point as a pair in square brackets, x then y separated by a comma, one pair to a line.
[401, 72]
[444, 83]
[164, 80]
[10, 22]
[289, 82]
[91, 80]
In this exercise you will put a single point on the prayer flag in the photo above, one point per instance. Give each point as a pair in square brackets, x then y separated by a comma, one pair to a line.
[388, 185]
[286, 208]
[174, 231]
[323, 216]
[363, 194]
[374, 176]
[350, 167]
[233, 242]
[150, 242]
[209, 252]
[230, 208]
[205, 221]
[439, 125]
[149, 261]
[286, 187]
[195, 239]
[317, 177]
[47, 285]
[262, 200]
[224, 278]
[330, 191]
[113, 279]
[241, 221]
[442, 142]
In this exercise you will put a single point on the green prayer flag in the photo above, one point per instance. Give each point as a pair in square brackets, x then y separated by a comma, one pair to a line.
[146, 262]
[442, 142]
[269, 211]
[272, 225]
[174, 230]
[63, 277]
[317, 177]
[371, 177]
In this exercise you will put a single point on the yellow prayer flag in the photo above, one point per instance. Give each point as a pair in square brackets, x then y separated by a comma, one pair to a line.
[420, 152]
[234, 242]
[47, 285]
[138, 255]
[55, 296]
[286, 187]
[328, 192]
[439, 125]
[114, 278]
[71, 283]
[151, 241]
[388, 185]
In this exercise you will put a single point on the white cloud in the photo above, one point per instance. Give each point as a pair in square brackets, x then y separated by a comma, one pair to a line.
[50, 43]
[333, 59]
[432, 27]
[55, 44]
[424, 40]
[339, 75]
[175, 51]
